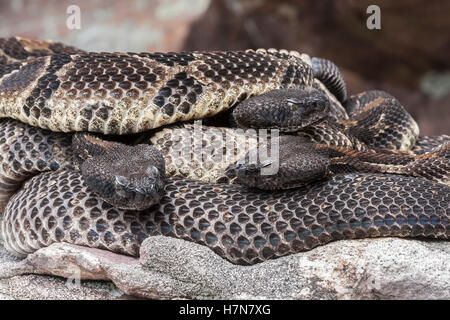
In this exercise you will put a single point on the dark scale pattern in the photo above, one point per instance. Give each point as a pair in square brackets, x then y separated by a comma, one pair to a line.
[385, 125]
[356, 103]
[244, 65]
[333, 134]
[434, 165]
[23, 78]
[3, 60]
[114, 76]
[22, 49]
[241, 225]
[58, 47]
[170, 58]
[26, 151]
[330, 75]
[205, 156]
[35, 104]
[8, 68]
[108, 92]
[108, 75]
[428, 143]
[296, 73]
[292, 76]
[279, 54]
[222, 67]
[337, 111]
[178, 94]
[14, 49]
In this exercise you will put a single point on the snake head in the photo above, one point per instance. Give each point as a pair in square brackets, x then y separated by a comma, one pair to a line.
[127, 177]
[283, 109]
[298, 164]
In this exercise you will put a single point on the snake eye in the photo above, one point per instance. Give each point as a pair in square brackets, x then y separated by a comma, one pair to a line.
[121, 180]
[292, 101]
[152, 171]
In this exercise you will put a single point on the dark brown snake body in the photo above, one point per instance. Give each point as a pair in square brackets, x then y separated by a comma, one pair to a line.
[70, 90]
[242, 225]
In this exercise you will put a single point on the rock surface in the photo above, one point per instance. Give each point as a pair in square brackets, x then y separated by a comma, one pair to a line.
[168, 268]
[17, 285]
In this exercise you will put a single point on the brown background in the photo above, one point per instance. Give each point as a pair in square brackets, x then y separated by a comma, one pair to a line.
[409, 56]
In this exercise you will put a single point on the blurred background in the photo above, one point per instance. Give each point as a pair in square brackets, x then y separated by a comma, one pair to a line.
[408, 57]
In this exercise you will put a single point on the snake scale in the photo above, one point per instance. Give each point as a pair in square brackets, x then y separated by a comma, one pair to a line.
[51, 89]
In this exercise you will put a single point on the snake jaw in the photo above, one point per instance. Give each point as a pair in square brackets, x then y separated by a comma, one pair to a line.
[127, 177]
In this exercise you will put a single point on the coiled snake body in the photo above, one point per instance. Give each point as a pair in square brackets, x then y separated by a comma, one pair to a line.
[61, 89]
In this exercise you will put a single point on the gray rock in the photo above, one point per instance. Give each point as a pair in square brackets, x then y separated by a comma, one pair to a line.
[168, 268]
[17, 282]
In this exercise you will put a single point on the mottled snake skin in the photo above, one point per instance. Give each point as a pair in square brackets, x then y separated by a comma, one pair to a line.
[243, 225]
[119, 93]
[63, 89]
